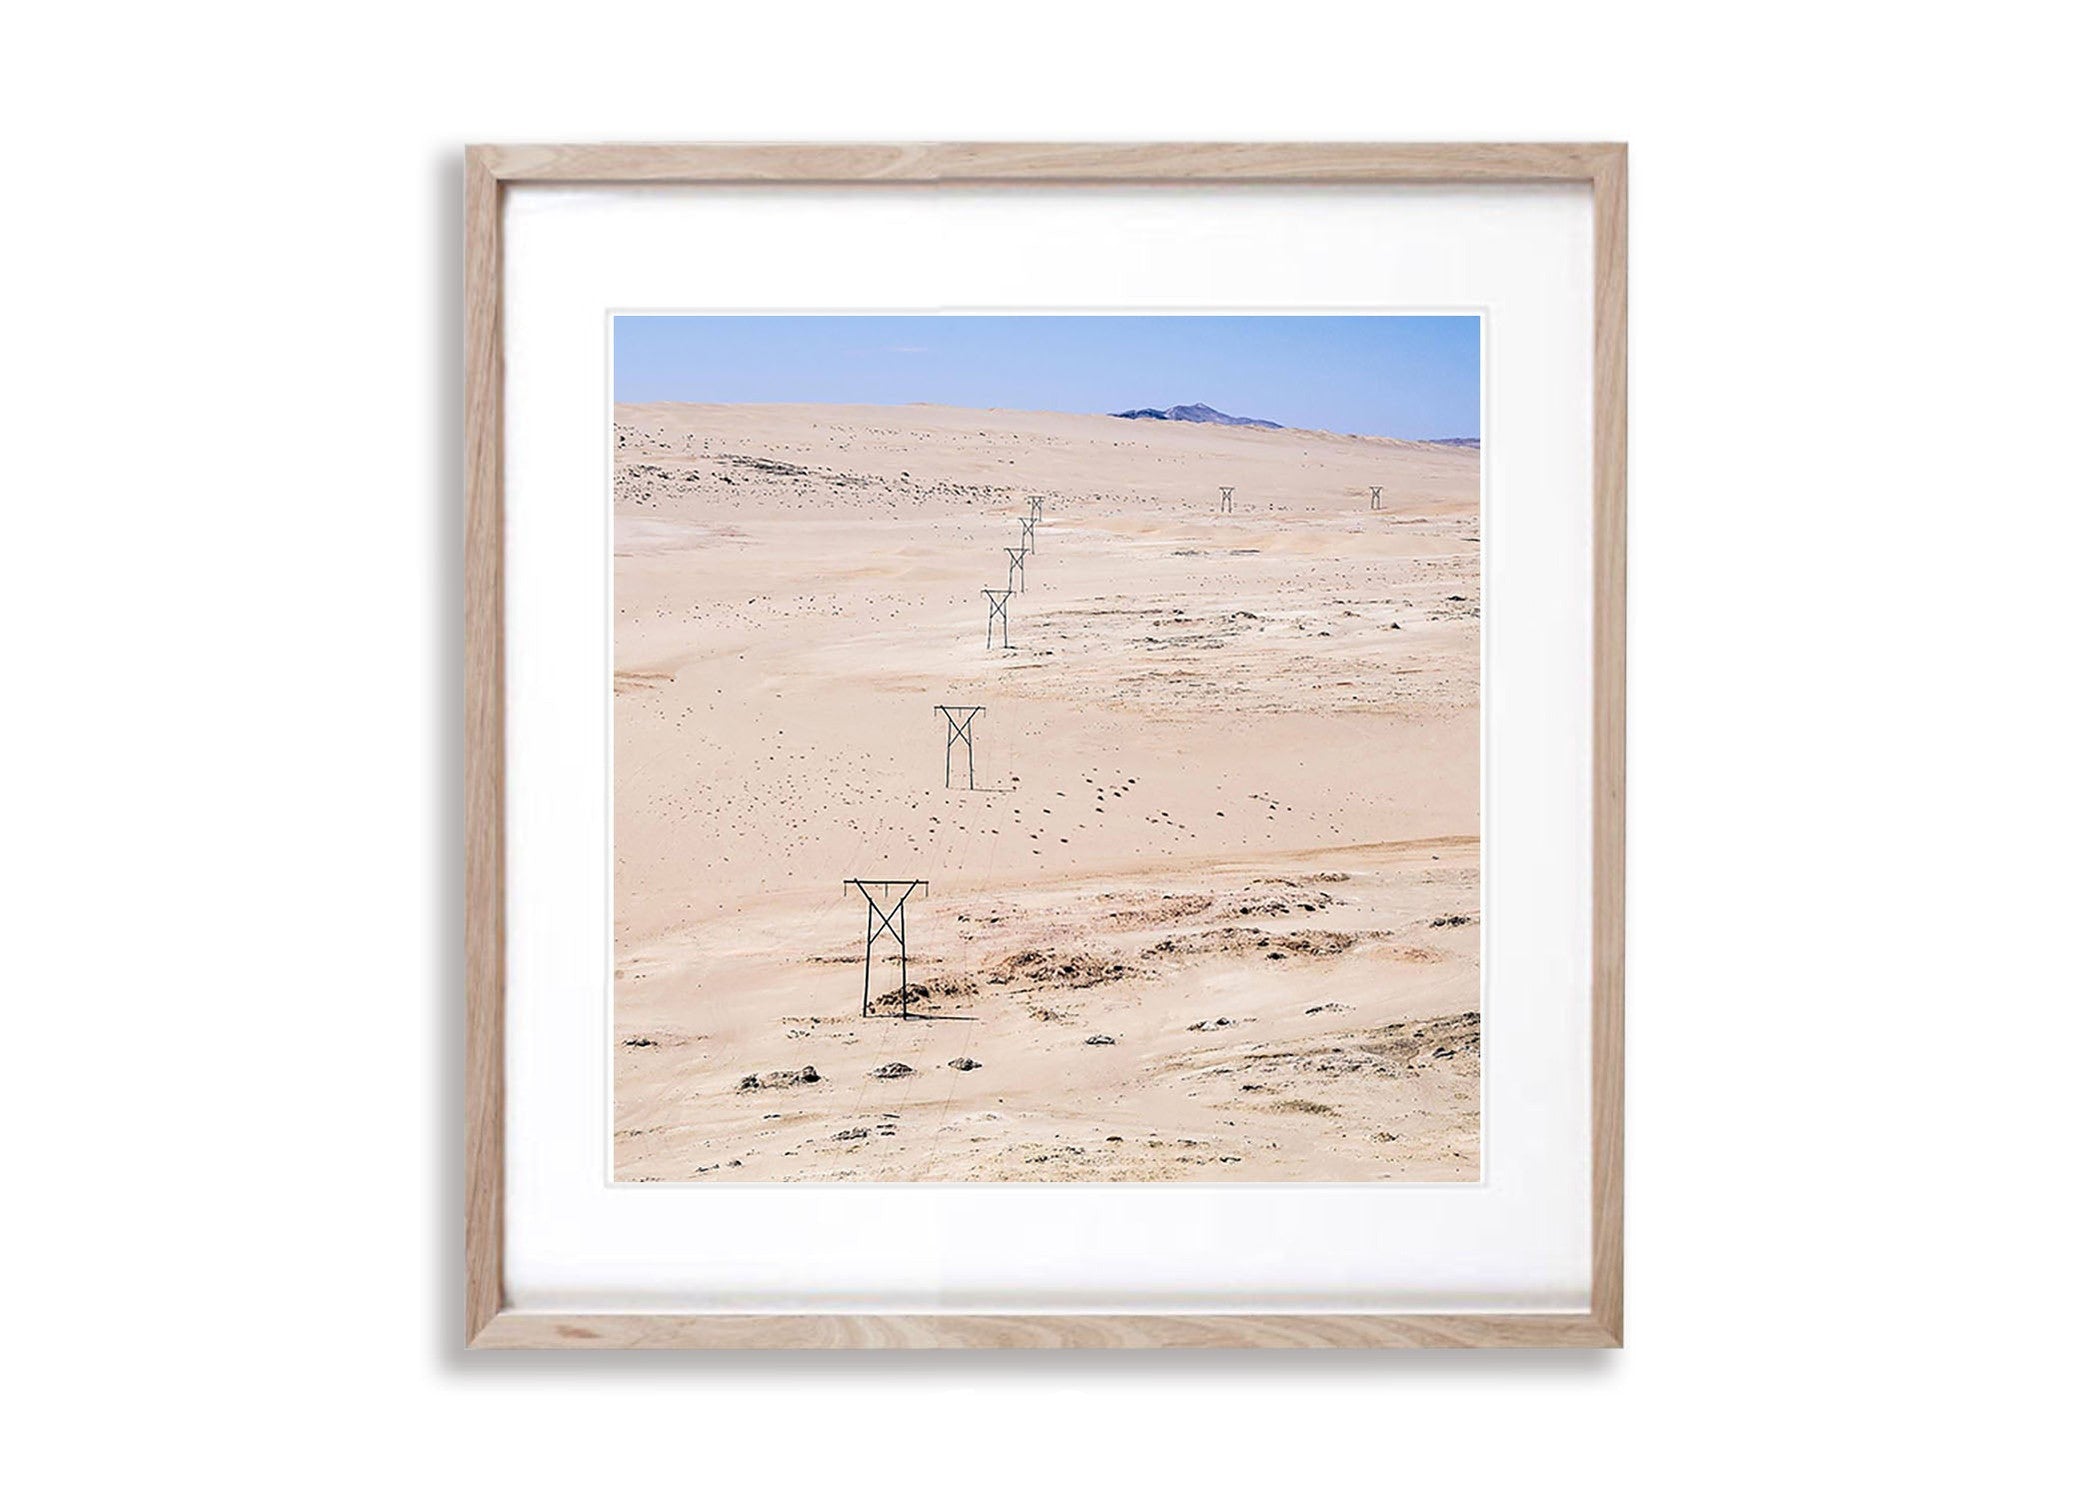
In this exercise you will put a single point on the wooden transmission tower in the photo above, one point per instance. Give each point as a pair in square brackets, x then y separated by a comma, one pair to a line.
[958, 732]
[884, 917]
[996, 619]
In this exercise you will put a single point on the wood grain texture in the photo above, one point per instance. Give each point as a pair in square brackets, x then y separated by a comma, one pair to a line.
[484, 744]
[521, 1330]
[1016, 161]
[488, 169]
[1607, 790]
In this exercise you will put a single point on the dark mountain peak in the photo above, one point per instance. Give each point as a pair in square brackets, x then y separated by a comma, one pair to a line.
[1196, 413]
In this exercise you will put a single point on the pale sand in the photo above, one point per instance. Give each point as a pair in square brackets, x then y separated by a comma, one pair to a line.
[1234, 826]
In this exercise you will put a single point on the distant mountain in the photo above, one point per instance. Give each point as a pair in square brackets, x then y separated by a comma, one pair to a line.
[1196, 413]
[1455, 442]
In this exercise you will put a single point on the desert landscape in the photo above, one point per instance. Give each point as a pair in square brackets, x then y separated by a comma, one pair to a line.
[1211, 911]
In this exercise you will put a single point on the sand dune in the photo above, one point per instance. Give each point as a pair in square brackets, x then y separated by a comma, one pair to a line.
[1212, 913]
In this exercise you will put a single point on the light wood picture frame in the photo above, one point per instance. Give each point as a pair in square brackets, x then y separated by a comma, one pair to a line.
[490, 172]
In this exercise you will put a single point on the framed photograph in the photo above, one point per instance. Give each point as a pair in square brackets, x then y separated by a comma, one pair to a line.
[1045, 745]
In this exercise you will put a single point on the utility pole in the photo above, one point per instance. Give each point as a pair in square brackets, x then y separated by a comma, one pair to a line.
[1377, 496]
[1034, 507]
[1016, 566]
[1225, 503]
[997, 616]
[1027, 533]
[958, 729]
[882, 916]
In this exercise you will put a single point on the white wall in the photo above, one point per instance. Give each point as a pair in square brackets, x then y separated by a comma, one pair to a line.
[1863, 518]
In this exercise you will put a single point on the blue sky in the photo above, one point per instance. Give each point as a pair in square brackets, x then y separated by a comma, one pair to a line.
[1380, 376]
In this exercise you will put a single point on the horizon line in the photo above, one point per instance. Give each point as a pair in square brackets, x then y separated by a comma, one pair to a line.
[1245, 426]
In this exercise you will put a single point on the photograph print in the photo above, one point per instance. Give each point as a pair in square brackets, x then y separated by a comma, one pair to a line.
[1046, 748]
